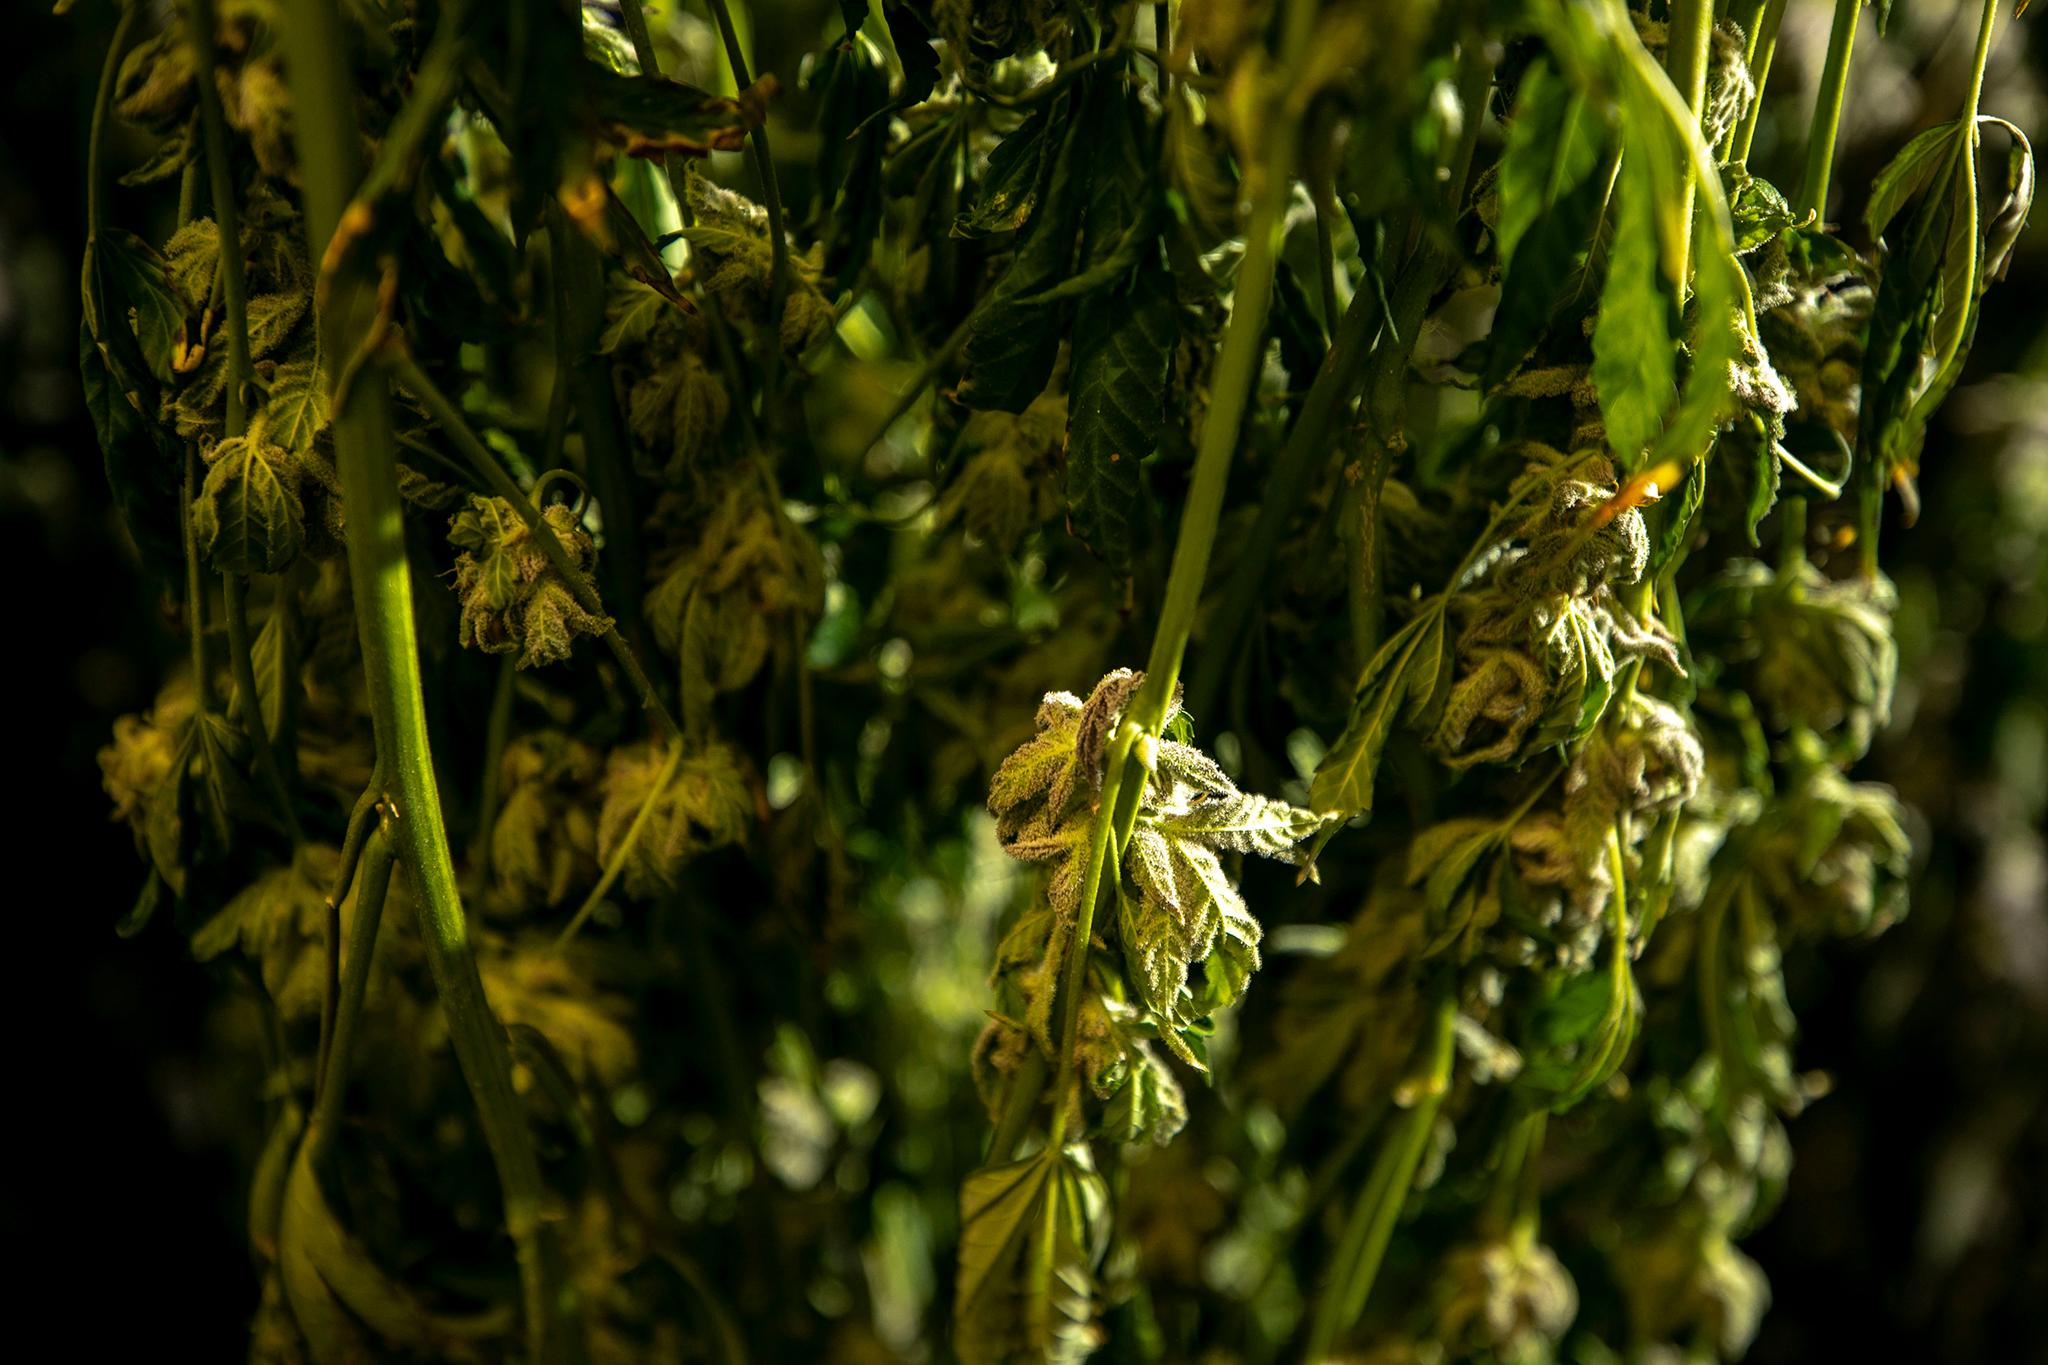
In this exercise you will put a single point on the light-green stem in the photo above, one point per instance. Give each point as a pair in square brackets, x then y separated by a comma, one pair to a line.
[1827, 110]
[771, 199]
[1762, 48]
[316, 48]
[1237, 365]
[1986, 24]
[1371, 1225]
[372, 884]
[1691, 36]
[226, 216]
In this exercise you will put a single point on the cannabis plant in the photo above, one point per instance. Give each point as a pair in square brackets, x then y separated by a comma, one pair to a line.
[1238, 524]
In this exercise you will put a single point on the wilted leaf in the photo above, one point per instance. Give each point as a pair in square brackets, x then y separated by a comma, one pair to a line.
[1405, 673]
[1032, 1236]
[1123, 342]
[1010, 186]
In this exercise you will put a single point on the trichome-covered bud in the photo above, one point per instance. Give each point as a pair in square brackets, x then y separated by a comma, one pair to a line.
[1508, 1300]
[514, 599]
[1816, 653]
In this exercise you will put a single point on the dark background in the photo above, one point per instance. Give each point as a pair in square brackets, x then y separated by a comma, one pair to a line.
[1916, 1224]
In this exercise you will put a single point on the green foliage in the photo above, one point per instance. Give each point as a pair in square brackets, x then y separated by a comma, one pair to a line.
[1032, 1234]
[1423, 376]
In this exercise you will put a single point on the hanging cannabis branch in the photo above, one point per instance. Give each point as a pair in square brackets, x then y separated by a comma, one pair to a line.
[716, 551]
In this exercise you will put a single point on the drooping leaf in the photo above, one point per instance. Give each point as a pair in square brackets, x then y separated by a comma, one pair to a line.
[1765, 475]
[248, 516]
[852, 80]
[1013, 341]
[1032, 1237]
[1404, 675]
[1009, 191]
[1550, 269]
[1553, 145]
[668, 116]
[1907, 175]
[137, 293]
[1634, 353]
[914, 50]
[1123, 345]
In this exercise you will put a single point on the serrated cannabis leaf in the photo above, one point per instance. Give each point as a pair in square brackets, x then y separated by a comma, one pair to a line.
[1124, 340]
[1032, 1237]
[514, 600]
[1403, 677]
[1426, 376]
[248, 516]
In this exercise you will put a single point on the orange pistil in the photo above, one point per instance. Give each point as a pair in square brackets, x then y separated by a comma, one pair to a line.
[1647, 486]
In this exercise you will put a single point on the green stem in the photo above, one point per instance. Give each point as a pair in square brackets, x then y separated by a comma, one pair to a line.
[1371, 1225]
[1504, 1198]
[195, 592]
[625, 848]
[1237, 365]
[355, 835]
[1762, 48]
[435, 83]
[1322, 193]
[235, 325]
[1309, 443]
[1529, 1196]
[102, 106]
[371, 888]
[1685, 57]
[1162, 46]
[935, 362]
[1026, 1085]
[1827, 110]
[1791, 534]
[1365, 577]
[456, 428]
[234, 591]
[771, 198]
[634, 17]
[316, 44]
[1713, 988]
[226, 215]
[497, 734]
